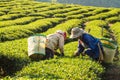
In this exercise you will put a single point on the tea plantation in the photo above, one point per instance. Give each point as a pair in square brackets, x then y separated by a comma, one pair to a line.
[20, 19]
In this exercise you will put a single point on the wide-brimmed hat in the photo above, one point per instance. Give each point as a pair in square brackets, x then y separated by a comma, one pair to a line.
[76, 32]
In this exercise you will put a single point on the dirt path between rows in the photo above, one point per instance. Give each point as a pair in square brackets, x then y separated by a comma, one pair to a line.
[112, 72]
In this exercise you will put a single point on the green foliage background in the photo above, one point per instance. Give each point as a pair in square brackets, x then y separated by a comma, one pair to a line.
[20, 19]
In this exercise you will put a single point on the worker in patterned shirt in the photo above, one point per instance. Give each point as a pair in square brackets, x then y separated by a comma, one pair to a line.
[55, 41]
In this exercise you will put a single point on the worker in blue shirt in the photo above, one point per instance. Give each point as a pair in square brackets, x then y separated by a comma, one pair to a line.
[87, 44]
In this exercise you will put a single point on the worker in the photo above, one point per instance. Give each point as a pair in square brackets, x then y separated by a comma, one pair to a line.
[87, 44]
[55, 41]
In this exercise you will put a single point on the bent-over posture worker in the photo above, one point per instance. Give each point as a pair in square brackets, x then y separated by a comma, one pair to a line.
[93, 46]
[55, 41]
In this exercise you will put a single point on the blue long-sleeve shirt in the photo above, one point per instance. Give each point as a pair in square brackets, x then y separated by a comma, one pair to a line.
[92, 45]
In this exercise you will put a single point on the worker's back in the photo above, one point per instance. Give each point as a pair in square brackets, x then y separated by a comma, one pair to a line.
[55, 41]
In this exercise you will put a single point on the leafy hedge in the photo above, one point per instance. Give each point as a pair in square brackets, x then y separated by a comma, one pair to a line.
[62, 68]
[102, 16]
[113, 19]
[14, 54]
[19, 31]
[97, 28]
[116, 30]
[68, 25]
[19, 21]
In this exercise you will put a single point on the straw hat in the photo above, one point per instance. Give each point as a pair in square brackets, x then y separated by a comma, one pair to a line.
[76, 32]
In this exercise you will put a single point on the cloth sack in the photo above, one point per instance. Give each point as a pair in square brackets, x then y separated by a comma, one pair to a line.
[36, 46]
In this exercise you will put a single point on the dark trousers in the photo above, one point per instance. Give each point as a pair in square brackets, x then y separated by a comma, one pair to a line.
[48, 53]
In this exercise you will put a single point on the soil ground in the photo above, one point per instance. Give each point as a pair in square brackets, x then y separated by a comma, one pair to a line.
[112, 71]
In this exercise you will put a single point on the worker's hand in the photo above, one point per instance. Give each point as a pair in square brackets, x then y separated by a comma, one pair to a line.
[83, 53]
[62, 54]
[75, 54]
[57, 53]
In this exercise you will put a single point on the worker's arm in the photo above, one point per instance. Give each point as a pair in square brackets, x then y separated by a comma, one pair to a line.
[61, 45]
[57, 53]
[80, 47]
[79, 50]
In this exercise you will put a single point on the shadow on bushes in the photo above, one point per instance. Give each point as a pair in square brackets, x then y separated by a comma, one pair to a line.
[9, 66]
